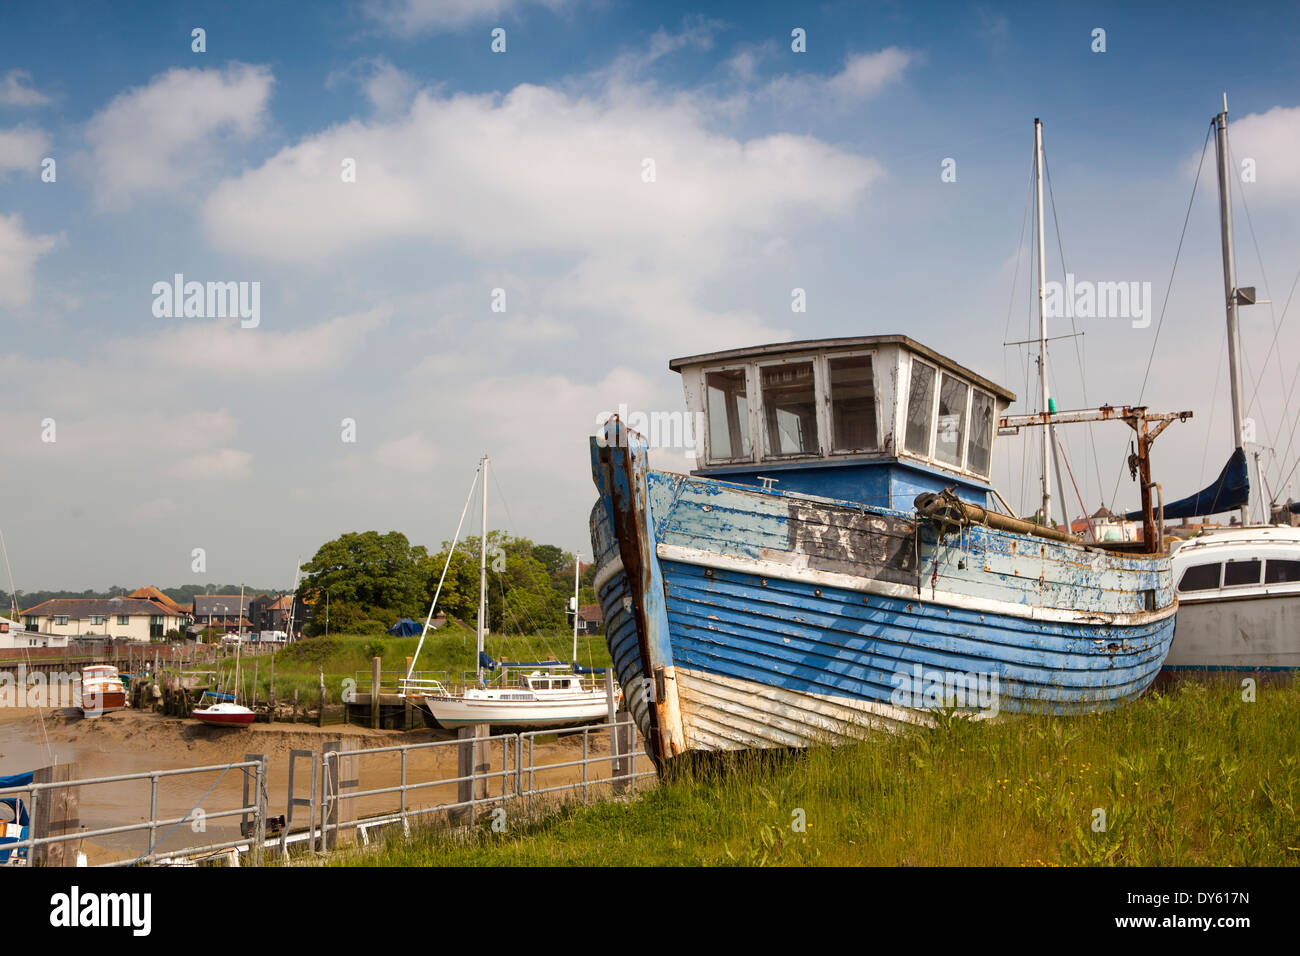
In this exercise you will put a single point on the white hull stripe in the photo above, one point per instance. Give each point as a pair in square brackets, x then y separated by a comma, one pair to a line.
[605, 572]
[851, 582]
[720, 712]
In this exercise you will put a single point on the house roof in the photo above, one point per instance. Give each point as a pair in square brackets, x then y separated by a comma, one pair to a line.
[221, 605]
[99, 607]
[591, 612]
[150, 593]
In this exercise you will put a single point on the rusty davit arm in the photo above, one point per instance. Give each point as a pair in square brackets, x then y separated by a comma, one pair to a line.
[1141, 421]
[624, 453]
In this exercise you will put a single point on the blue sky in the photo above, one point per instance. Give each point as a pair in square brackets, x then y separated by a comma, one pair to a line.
[522, 171]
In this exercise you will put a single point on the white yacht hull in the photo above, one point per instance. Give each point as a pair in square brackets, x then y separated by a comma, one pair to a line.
[454, 712]
[1258, 633]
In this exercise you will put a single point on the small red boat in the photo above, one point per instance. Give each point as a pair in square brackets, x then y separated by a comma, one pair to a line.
[223, 712]
[101, 690]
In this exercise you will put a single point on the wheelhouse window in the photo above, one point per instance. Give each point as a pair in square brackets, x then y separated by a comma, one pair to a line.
[1200, 577]
[920, 410]
[853, 404]
[1281, 572]
[950, 433]
[728, 414]
[979, 448]
[1238, 573]
[789, 408]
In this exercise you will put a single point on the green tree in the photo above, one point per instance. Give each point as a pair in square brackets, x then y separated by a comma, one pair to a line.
[370, 577]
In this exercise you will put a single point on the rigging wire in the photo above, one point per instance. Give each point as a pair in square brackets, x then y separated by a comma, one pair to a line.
[1169, 288]
[456, 540]
[1078, 348]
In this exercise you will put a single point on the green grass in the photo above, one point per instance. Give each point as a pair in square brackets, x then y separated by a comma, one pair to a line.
[1192, 777]
[451, 648]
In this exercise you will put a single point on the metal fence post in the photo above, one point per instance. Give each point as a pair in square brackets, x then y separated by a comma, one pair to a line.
[153, 816]
[259, 818]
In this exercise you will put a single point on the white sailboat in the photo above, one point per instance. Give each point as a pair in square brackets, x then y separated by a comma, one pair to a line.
[542, 698]
[1238, 588]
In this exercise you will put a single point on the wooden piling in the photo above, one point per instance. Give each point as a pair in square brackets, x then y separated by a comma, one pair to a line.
[321, 718]
[376, 666]
[472, 763]
[54, 813]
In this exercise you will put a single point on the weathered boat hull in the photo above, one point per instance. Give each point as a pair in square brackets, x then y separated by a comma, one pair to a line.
[741, 618]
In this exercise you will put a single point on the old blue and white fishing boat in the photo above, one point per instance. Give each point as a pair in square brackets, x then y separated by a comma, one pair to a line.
[835, 564]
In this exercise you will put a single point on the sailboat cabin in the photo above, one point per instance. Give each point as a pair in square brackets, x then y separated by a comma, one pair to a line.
[875, 419]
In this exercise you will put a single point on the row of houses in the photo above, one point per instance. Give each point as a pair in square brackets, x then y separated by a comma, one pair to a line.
[148, 614]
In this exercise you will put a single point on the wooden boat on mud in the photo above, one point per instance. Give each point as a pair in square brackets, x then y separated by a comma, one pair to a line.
[221, 710]
[102, 691]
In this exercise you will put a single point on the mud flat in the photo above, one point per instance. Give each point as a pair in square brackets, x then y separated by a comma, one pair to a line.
[131, 741]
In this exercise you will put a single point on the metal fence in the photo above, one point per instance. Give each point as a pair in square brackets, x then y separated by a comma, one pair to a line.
[35, 793]
[497, 771]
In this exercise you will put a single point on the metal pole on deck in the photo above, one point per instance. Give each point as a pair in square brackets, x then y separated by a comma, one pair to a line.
[482, 581]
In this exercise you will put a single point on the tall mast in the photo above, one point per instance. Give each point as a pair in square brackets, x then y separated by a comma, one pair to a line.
[1042, 320]
[1229, 280]
[577, 570]
[482, 578]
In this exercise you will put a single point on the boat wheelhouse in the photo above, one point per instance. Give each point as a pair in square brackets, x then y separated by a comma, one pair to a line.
[835, 564]
[874, 419]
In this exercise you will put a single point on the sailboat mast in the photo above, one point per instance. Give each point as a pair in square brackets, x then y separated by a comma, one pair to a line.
[1042, 320]
[1229, 281]
[482, 578]
[577, 569]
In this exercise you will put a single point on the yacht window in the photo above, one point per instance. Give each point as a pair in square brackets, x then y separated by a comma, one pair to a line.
[1281, 572]
[728, 414]
[1241, 572]
[853, 404]
[541, 685]
[789, 409]
[980, 447]
[1200, 577]
[951, 429]
[920, 404]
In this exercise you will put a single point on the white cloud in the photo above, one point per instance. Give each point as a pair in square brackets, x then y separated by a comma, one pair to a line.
[224, 349]
[19, 251]
[1272, 140]
[389, 89]
[410, 454]
[428, 16]
[222, 463]
[535, 169]
[863, 77]
[16, 90]
[156, 508]
[22, 149]
[165, 136]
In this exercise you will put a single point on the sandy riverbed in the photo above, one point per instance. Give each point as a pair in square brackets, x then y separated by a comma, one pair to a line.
[132, 741]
